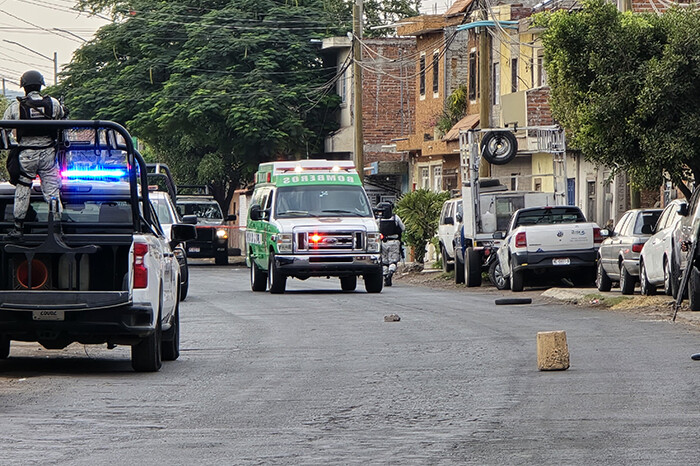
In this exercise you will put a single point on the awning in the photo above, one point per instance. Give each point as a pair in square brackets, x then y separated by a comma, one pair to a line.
[468, 122]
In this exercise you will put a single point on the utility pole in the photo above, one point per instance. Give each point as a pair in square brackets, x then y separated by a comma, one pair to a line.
[359, 158]
[3, 88]
[54, 59]
[484, 87]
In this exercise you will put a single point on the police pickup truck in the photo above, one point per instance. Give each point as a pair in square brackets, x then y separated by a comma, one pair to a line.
[102, 272]
[555, 240]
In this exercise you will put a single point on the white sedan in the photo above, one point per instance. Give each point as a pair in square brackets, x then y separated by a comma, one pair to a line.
[656, 260]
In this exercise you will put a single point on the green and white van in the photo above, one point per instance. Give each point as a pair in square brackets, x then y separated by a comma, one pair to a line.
[311, 218]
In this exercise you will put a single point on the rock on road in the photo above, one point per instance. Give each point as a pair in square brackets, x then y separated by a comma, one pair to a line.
[315, 376]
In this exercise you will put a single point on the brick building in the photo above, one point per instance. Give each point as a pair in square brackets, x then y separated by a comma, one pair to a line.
[388, 110]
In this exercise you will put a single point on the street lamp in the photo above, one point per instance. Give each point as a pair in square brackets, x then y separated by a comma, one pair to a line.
[70, 33]
[54, 59]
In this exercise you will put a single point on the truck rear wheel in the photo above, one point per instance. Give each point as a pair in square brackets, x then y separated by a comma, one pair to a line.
[517, 278]
[374, 282]
[472, 268]
[146, 355]
[348, 283]
[277, 281]
[258, 278]
[459, 270]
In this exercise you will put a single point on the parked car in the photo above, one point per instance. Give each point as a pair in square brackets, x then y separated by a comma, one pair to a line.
[554, 239]
[168, 216]
[618, 256]
[684, 235]
[656, 261]
[446, 231]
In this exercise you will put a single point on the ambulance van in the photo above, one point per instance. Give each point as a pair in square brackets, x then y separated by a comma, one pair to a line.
[311, 218]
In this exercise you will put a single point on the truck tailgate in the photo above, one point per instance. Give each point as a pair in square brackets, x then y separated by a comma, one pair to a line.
[561, 237]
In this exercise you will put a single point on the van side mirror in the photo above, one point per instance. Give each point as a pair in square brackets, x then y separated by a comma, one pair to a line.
[459, 217]
[498, 235]
[683, 210]
[256, 212]
[449, 221]
[231, 218]
[189, 219]
[182, 232]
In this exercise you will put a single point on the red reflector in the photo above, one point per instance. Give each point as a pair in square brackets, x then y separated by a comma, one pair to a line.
[140, 270]
[269, 177]
[597, 237]
[521, 240]
[637, 247]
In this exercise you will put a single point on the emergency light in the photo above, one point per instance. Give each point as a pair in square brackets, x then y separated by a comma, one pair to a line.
[93, 173]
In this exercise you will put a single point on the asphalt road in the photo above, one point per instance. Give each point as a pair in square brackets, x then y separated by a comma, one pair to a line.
[315, 376]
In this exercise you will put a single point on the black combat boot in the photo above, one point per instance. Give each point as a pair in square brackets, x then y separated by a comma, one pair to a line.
[17, 232]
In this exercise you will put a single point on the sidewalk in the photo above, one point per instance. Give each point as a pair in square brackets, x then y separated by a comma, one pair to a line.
[660, 306]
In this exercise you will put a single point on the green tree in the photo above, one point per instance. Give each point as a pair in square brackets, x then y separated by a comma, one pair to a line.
[4, 103]
[627, 87]
[420, 212]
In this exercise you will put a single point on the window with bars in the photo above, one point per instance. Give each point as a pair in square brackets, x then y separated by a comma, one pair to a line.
[425, 178]
[437, 178]
[436, 72]
[422, 75]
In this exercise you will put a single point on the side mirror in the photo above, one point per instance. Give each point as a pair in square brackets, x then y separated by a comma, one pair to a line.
[683, 210]
[256, 212]
[189, 219]
[449, 221]
[459, 217]
[231, 218]
[182, 232]
[498, 235]
[605, 233]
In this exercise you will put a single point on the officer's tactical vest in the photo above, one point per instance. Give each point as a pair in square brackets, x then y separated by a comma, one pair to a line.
[30, 109]
[388, 227]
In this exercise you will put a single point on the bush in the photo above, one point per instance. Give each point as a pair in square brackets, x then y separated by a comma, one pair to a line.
[420, 212]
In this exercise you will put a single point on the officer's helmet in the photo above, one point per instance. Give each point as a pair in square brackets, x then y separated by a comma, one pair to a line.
[385, 209]
[31, 78]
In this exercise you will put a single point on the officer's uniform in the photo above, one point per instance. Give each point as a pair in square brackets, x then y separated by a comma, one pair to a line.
[40, 156]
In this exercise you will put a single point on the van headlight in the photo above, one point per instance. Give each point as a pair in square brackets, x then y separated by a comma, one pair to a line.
[374, 242]
[284, 242]
[221, 233]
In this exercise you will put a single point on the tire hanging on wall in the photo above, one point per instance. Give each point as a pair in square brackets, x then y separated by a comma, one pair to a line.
[499, 147]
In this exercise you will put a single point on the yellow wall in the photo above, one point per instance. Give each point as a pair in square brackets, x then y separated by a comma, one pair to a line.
[542, 165]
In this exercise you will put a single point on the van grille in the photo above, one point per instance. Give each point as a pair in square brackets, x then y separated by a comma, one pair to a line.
[329, 241]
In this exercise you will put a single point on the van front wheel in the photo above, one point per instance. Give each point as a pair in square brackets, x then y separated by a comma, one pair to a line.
[277, 281]
[374, 282]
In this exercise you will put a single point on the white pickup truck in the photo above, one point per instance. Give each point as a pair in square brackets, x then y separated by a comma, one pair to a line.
[549, 239]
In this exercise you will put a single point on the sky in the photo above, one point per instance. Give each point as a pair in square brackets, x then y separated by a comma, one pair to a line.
[34, 24]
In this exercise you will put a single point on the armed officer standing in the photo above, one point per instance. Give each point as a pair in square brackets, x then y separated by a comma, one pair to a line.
[37, 148]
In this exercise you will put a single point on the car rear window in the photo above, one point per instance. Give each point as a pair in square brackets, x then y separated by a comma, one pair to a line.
[646, 218]
[550, 216]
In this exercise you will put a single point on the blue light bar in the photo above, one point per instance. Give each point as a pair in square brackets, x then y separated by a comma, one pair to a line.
[95, 173]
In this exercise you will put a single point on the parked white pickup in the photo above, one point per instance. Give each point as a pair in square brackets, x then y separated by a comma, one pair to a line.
[545, 239]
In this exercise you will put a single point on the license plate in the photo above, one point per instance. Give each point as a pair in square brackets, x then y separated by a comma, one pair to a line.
[193, 249]
[562, 261]
[48, 315]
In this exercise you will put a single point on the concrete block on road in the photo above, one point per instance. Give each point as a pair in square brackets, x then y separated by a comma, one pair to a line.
[392, 318]
[552, 351]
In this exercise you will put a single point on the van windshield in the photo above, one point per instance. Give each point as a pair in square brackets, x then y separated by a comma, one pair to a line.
[322, 201]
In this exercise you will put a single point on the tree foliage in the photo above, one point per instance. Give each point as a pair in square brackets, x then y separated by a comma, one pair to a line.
[420, 212]
[627, 87]
[214, 87]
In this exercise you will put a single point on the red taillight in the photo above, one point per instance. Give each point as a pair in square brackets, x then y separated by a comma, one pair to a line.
[637, 247]
[597, 237]
[140, 270]
[316, 238]
[521, 240]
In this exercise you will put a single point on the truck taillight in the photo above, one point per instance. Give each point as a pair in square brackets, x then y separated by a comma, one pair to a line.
[140, 270]
[521, 240]
[637, 247]
[597, 237]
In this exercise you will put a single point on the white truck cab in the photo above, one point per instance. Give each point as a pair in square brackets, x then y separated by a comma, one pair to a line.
[311, 218]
